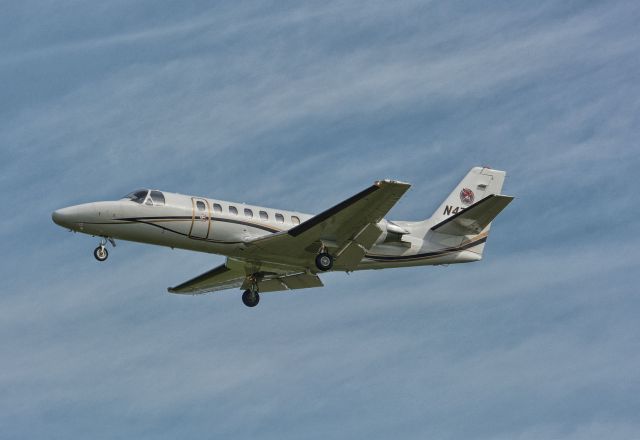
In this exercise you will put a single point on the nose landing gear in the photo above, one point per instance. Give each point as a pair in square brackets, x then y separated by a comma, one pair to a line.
[101, 252]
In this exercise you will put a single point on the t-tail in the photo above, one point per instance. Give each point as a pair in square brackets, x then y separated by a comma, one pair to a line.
[463, 220]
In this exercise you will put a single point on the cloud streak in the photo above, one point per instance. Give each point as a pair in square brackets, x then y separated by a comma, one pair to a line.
[269, 104]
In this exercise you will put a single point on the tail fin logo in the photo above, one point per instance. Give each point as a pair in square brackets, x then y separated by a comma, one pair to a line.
[466, 196]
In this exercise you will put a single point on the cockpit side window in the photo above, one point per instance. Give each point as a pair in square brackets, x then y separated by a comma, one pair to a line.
[157, 197]
[137, 196]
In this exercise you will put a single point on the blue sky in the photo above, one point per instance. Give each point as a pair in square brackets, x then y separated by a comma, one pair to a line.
[298, 106]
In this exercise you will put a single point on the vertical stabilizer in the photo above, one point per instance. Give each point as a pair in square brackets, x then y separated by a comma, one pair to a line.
[464, 217]
[477, 184]
[480, 183]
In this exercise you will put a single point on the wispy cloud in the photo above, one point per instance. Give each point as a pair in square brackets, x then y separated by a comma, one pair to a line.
[300, 106]
[471, 346]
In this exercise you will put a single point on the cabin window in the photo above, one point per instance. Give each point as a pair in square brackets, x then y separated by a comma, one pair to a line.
[217, 207]
[279, 218]
[295, 220]
[157, 197]
[233, 210]
[248, 212]
[264, 215]
[201, 206]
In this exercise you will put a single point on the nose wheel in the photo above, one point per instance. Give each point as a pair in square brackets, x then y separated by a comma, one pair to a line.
[101, 252]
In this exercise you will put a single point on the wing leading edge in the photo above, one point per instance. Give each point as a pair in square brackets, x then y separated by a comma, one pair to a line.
[348, 229]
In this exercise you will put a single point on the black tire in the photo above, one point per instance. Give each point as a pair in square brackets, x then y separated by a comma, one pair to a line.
[324, 261]
[250, 299]
[101, 253]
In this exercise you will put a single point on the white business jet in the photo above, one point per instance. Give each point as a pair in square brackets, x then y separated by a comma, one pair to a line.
[270, 250]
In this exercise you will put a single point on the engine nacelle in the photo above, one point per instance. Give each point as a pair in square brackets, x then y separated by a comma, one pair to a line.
[390, 232]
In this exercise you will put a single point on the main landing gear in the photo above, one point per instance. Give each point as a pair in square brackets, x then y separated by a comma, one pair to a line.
[324, 261]
[250, 298]
[101, 252]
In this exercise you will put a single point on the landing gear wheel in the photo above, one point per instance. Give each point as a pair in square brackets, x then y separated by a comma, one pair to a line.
[250, 298]
[101, 253]
[324, 261]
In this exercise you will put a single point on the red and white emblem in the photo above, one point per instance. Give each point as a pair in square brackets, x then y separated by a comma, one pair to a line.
[466, 196]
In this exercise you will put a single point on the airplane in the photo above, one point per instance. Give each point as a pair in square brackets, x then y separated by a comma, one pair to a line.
[272, 250]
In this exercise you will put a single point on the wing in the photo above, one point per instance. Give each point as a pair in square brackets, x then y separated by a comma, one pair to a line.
[475, 218]
[219, 278]
[279, 261]
[236, 273]
[348, 229]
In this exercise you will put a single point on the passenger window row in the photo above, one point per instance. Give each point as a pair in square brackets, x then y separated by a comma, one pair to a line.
[157, 198]
[249, 214]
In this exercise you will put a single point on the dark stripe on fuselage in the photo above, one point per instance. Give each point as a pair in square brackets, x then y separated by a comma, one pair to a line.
[381, 258]
[425, 254]
[150, 220]
[209, 240]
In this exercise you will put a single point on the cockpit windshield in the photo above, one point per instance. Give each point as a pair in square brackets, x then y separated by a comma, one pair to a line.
[147, 197]
[137, 196]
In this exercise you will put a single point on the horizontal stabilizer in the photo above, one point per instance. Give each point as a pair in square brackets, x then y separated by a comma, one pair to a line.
[475, 218]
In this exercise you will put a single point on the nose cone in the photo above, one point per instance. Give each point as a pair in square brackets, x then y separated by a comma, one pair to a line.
[64, 217]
